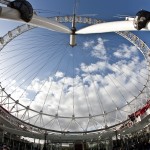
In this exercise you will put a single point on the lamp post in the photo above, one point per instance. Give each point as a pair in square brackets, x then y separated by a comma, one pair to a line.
[45, 141]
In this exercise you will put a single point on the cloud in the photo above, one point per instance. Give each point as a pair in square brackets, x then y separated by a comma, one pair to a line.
[94, 67]
[59, 74]
[99, 51]
[97, 48]
[125, 51]
[88, 44]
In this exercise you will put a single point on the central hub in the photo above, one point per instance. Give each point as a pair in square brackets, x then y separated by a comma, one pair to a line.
[73, 37]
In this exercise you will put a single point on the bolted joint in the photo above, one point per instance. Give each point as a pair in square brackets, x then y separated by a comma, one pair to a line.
[141, 19]
[73, 30]
[24, 7]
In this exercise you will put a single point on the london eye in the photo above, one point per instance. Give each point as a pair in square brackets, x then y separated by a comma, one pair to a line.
[71, 76]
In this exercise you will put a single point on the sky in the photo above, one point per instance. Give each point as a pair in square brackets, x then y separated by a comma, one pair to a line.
[93, 81]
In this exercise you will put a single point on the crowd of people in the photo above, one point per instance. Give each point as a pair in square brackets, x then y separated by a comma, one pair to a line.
[138, 141]
[4, 147]
[9, 147]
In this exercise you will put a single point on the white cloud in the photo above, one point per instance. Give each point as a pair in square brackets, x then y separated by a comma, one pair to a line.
[125, 51]
[99, 50]
[88, 44]
[34, 86]
[59, 74]
[99, 66]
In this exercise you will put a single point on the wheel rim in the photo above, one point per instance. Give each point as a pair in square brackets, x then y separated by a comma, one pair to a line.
[10, 103]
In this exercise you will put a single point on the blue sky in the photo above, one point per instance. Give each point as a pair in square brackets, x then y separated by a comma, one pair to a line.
[96, 77]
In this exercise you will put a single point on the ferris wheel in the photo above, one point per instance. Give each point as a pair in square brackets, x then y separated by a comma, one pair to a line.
[62, 81]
